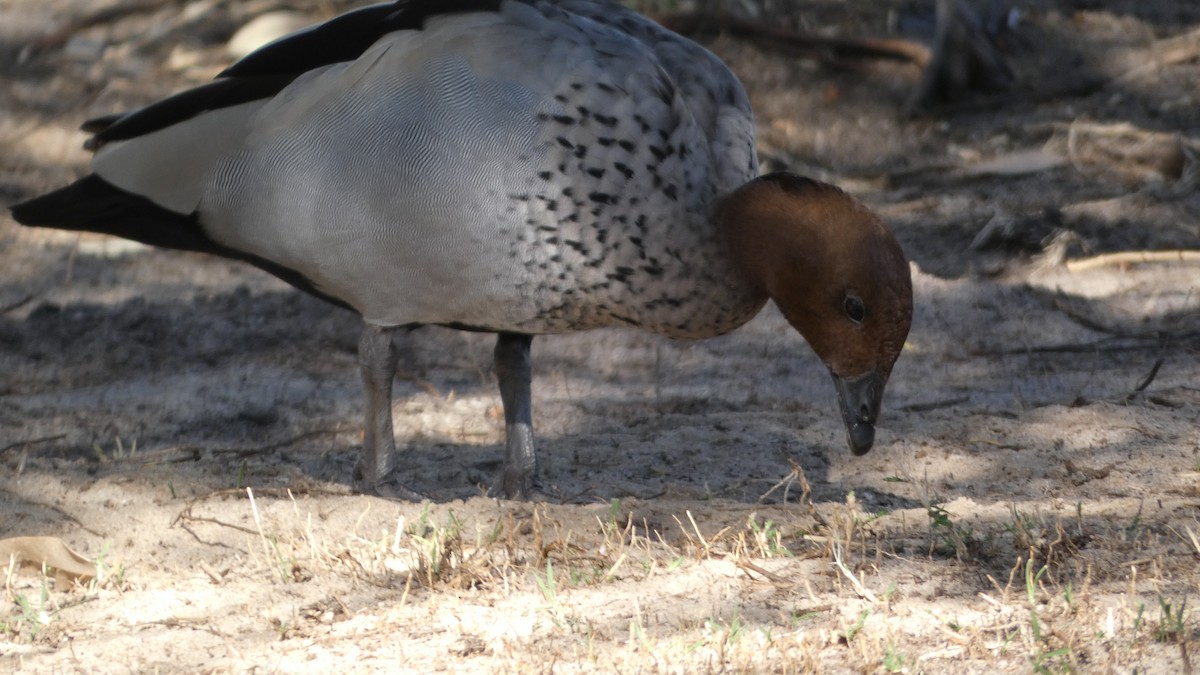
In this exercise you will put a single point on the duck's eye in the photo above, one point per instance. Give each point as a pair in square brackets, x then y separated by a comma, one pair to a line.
[855, 309]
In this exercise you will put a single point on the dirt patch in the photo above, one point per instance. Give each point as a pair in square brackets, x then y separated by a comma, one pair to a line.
[1033, 501]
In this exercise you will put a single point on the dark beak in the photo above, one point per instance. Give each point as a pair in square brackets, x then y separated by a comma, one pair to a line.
[860, 398]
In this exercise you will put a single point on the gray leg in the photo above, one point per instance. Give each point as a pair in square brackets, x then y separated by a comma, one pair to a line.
[377, 360]
[514, 371]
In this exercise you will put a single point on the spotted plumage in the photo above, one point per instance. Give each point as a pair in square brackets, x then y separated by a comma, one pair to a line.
[524, 167]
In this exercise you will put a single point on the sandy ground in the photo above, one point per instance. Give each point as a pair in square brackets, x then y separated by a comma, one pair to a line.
[1032, 504]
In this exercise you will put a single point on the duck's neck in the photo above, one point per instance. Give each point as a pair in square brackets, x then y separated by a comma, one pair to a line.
[767, 235]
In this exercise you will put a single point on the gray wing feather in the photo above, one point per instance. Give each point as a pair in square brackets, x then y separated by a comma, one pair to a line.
[171, 166]
[387, 173]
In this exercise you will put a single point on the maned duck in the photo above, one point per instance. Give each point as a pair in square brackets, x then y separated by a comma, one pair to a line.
[522, 167]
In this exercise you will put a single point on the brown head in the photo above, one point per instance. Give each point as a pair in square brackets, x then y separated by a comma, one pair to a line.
[839, 277]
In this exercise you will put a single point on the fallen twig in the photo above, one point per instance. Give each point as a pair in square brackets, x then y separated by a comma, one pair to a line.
[54, 509]
[1126, 149]
[1132, 258]
[1141, 385]
[859, 588]
[934, 405]
[1194, 539]
[185, 516]
[751, 567]
[1117, 343]
[1165, 52]
[31, 441]
[1145, 381]
[18, 304]
[246, 452]
[795, 43]
[796, 475]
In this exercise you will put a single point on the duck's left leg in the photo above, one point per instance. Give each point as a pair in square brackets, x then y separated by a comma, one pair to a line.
[514, 370]
[377, 360]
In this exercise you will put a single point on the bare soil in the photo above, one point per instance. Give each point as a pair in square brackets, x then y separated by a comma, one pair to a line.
[1032, 503]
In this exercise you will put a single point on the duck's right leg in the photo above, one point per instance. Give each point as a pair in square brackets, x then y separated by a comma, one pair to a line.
[377, 361]
[518, 478]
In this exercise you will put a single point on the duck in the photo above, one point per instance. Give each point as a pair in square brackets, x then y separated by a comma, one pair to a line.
[519, 167]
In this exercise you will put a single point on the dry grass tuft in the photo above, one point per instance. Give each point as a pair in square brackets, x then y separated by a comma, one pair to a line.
[802, 587]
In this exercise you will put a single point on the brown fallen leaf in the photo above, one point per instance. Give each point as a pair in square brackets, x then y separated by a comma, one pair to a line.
[50, 552]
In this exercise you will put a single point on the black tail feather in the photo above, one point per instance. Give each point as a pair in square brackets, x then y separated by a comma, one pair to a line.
[94, 205]
[91, 204]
